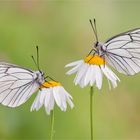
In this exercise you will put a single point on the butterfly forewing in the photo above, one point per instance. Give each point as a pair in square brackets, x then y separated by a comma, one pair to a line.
[123, 52]
[16, 84]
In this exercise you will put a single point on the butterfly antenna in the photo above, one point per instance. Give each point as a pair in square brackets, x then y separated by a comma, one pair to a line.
[34, 61]
[37, 51]
[94, 28]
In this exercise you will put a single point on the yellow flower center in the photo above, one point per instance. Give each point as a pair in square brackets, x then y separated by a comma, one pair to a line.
[95, 60]
[50, 84]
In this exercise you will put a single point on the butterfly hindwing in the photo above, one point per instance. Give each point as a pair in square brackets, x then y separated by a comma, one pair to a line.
[123, 52]
[16, 84]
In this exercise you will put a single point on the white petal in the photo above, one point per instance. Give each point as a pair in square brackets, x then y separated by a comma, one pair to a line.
[63, 101]
[88, 75]
[57, 95]
[42, 97]
[74, 63]
[50, 105]
[109, 73]
[92, 79]
[98, 77]
[109, 84]
[74, 69]
[68, 97]
[33, 106]
[114, 83]
[81, 73]
[63, 105]
[47, 98]
[67, 94]
[70, 103]
[81, 82]
[36, 104]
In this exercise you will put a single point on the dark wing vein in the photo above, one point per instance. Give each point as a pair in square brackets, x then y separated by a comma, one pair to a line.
[16, 84]
[123, 52]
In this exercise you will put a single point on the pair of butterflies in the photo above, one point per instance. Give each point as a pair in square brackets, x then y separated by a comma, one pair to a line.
[122, 52]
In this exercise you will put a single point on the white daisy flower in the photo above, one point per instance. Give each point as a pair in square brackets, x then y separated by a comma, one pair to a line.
[51, 92]
[90, 71]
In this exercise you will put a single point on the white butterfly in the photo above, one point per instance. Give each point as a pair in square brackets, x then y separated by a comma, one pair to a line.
[17, 84]
[122, 51]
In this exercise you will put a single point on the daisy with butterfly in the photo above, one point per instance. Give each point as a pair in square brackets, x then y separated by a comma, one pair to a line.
[18, 84]
[122, 52]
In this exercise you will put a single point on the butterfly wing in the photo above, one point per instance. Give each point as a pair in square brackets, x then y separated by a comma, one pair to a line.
[16, 84]
[123, 52]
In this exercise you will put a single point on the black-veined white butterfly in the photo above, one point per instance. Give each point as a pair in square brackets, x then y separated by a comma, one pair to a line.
[121, 51]
[17, 84]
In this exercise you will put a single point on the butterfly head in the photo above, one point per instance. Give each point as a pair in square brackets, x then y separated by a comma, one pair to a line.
[39, 76]
[42, 73]
[98, 46]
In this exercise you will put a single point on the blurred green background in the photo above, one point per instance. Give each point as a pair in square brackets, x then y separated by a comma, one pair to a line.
[62, 31]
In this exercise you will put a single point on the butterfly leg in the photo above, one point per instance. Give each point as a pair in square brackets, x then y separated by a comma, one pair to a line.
[92, 50]
[92, 56]
[49, 78]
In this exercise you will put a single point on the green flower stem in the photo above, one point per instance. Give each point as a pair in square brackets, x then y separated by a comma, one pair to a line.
[91, 111]
[52, 125]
